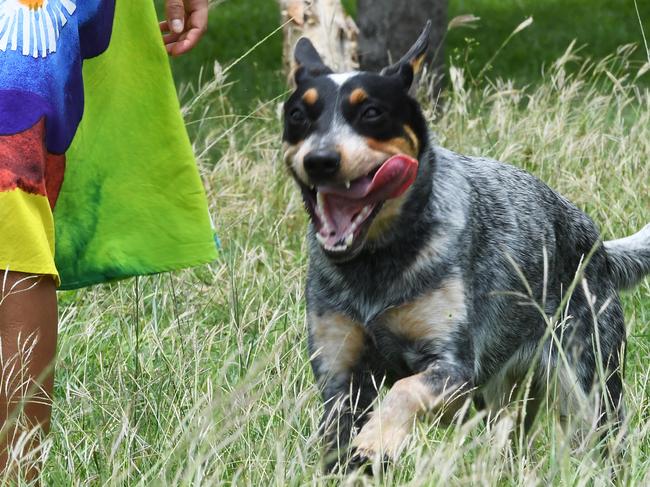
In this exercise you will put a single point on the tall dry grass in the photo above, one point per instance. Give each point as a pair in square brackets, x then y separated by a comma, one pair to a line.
[201, 377]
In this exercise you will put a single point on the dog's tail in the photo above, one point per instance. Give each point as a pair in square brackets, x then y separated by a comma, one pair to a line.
[629, 258]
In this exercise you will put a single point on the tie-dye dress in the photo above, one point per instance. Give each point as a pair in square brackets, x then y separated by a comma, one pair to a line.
[97, 177]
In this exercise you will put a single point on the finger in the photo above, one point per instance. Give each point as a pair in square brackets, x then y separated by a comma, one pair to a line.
[164, 26]
[169, 38]
[188, 41]
[198, 23]
[199, 19]
[179, 47]
[175, 11]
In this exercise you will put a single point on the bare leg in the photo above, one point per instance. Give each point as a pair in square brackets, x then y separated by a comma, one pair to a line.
[28, 332]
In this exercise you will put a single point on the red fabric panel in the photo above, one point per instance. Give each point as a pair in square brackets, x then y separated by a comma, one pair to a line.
[25, 164]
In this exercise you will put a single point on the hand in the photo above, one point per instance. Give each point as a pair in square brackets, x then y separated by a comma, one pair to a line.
[187, 21]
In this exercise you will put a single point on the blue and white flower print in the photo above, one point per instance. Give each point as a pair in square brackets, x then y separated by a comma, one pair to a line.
[33, 27]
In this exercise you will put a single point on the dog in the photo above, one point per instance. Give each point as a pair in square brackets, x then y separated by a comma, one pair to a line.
[438, 275]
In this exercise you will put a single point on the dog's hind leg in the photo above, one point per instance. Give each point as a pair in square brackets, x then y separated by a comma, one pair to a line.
[589, 412]
[589, 382]
[349, 371]
[515, 390]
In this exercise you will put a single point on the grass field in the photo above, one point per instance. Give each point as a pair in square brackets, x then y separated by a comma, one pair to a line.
[201, 377]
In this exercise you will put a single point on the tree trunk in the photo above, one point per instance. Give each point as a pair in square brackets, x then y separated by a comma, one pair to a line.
[333, 33]
[389, 27]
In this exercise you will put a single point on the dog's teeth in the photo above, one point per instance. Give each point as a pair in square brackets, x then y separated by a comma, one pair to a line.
[347, 184]
[320, 201]
[362, 215]
[348, 239]
[335, 248]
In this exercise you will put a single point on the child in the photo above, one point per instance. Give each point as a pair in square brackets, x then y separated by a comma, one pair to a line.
[87, 180]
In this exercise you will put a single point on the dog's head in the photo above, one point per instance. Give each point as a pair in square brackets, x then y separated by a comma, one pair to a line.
[352, 143]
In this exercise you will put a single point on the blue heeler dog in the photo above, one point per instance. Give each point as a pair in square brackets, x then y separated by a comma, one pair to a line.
[425, 265]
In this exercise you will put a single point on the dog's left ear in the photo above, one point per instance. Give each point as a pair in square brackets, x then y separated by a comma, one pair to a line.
[308, 61]
[411, 63]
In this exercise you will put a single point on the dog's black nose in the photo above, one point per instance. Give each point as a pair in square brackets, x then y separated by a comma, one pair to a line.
[321, 165]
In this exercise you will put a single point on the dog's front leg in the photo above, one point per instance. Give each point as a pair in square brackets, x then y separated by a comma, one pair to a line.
[342, 358]
[440, 386]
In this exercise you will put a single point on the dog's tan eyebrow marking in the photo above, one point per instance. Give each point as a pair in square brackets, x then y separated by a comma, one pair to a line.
[357, 96]
[310, 96]
[338, 342]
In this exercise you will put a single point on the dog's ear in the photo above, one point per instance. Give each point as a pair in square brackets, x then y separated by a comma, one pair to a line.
[308, 61]
[411, 63]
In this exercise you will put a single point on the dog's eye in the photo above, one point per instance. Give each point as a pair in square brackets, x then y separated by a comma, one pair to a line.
[371, 114]
[297, 116]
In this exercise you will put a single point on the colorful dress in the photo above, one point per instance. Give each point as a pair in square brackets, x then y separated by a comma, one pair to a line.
[115, 193]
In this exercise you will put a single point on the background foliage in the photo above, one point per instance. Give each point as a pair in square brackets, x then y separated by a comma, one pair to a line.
[599, 25]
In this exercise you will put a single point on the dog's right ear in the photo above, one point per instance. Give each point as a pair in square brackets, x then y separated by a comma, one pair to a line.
[308, 61]
[407, 68]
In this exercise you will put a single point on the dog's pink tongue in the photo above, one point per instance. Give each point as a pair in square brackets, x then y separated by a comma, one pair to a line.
[343, 207]
[394, 177]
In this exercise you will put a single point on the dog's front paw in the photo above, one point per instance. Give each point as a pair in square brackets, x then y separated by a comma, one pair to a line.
[381, 438]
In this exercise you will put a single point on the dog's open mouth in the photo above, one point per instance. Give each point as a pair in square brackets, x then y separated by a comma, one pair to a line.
[342, 214]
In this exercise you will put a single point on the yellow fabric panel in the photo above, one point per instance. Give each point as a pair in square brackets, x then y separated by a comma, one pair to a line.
[26, 234]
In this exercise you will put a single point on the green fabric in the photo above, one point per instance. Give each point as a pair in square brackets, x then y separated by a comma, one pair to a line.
[132, 202]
